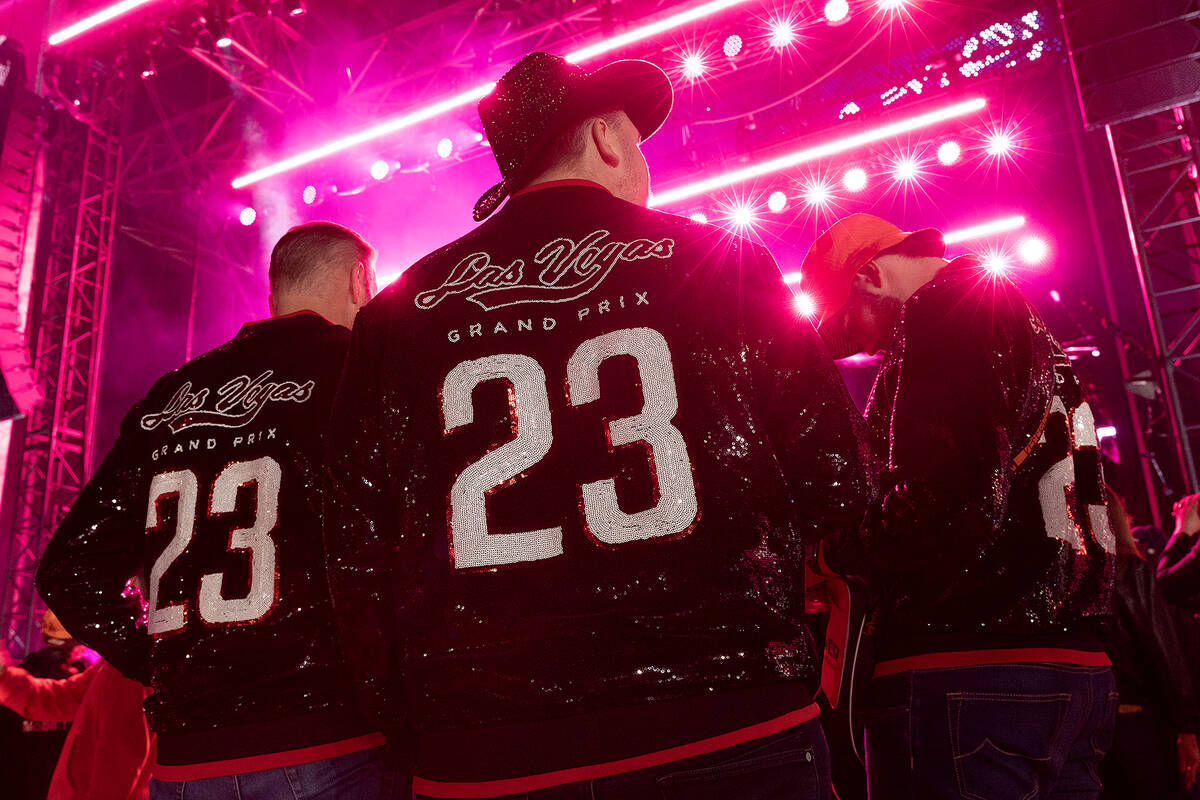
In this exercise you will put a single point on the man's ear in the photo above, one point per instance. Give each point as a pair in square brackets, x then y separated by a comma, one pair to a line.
[360, 285]
[604, 136]
[869, 277]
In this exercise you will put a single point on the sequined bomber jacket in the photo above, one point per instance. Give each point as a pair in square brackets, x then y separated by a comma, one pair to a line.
[212, 491]
[990, 530]
[576, 456]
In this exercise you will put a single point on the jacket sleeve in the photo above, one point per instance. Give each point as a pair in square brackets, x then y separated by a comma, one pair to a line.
[818, 436]
[361, 532]
[44, 699]
[95, 550]
[1166, 653]
[953, 413]
[1179, 569]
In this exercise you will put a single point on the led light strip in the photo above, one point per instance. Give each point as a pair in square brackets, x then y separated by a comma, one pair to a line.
[830, 148]
[960, 235]
[95, 20]
[450, 103]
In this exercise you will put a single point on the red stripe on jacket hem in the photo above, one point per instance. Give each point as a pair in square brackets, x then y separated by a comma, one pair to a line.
[977, 658]
[287, 758]
[529, 783]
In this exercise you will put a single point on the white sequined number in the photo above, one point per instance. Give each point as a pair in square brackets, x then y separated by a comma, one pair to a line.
[677, 506]
[215, 608]
[530, 405]
[265, 474]
[669, 462]
[183, 485]
[1057, 489]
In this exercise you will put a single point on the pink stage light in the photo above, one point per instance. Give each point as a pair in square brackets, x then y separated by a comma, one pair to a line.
[732, 46]
[855, 179]
[309, 195]
[1033, 249]
[985, 229]
[247, 216]
[1106, 431]
[452, 102]
[95, 20]
[693, 66]
[816, 194]
[1055, 296]
[837, 11]
[995, 263]
[905, 169]
[741, 216]
[949, 152]
[698, 216]
[1000, 143]
[380, 169]
[777, 202]
[783, 33]
[224, 42]
[444, 148]
[829, 148]
[792, 277]
[805, 305]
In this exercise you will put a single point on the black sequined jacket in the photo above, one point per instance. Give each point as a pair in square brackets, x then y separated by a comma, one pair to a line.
[576, 455]
[991, 529]
[211, 491]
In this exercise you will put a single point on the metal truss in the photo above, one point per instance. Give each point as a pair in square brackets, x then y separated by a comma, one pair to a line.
[66, 344]
[1155, 158]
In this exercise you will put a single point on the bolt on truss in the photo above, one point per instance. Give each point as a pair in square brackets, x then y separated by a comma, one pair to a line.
[66, 345]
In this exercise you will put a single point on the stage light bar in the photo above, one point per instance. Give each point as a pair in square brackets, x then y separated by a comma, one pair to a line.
[411, 118]
[960, 235]
[95, 20]
[985, 229]
[819, 151]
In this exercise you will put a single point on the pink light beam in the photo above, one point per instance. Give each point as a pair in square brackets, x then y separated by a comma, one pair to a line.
[452, 102]
[95, 20]
[819, 151]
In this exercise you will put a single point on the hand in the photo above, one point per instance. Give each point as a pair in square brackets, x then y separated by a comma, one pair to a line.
[1187, 515]
[1189, 759]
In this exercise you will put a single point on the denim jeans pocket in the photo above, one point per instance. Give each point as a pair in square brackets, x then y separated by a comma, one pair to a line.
[779, 773]
[1004, 744]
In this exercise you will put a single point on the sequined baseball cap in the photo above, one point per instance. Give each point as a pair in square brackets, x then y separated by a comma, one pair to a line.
[543, 94]
[830, 265]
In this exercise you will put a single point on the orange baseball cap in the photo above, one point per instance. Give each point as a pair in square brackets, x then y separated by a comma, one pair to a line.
[839, 253]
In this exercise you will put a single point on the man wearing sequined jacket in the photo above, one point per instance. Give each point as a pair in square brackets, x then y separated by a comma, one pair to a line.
[576, 456]
[989, 549]
[212, 491]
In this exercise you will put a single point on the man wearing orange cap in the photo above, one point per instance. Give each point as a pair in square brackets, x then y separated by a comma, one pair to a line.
[577, 454]
[989, 550]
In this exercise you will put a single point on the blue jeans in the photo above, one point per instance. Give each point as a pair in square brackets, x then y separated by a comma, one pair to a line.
[355, 776]
[790, 765]
[997, 732]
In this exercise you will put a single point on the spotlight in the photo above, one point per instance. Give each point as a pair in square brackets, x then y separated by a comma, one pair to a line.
[444, 148]
[733, 45]
[247, 216]
[792, 277]
[905, 169]
[949, 152]
[855, 179]
[817, 194]
[1033, 250]
[995, 263]
[309, 195]
[381, 168]
[777, 202]
[698, 216]
[479, 136]
[837, 11]
[783, 33]
[805, 305]
[693, 66]
[294, 8]
[742, 216]
[145, 66]
[1106, 431]
[1055, 296]
[1000, 144]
